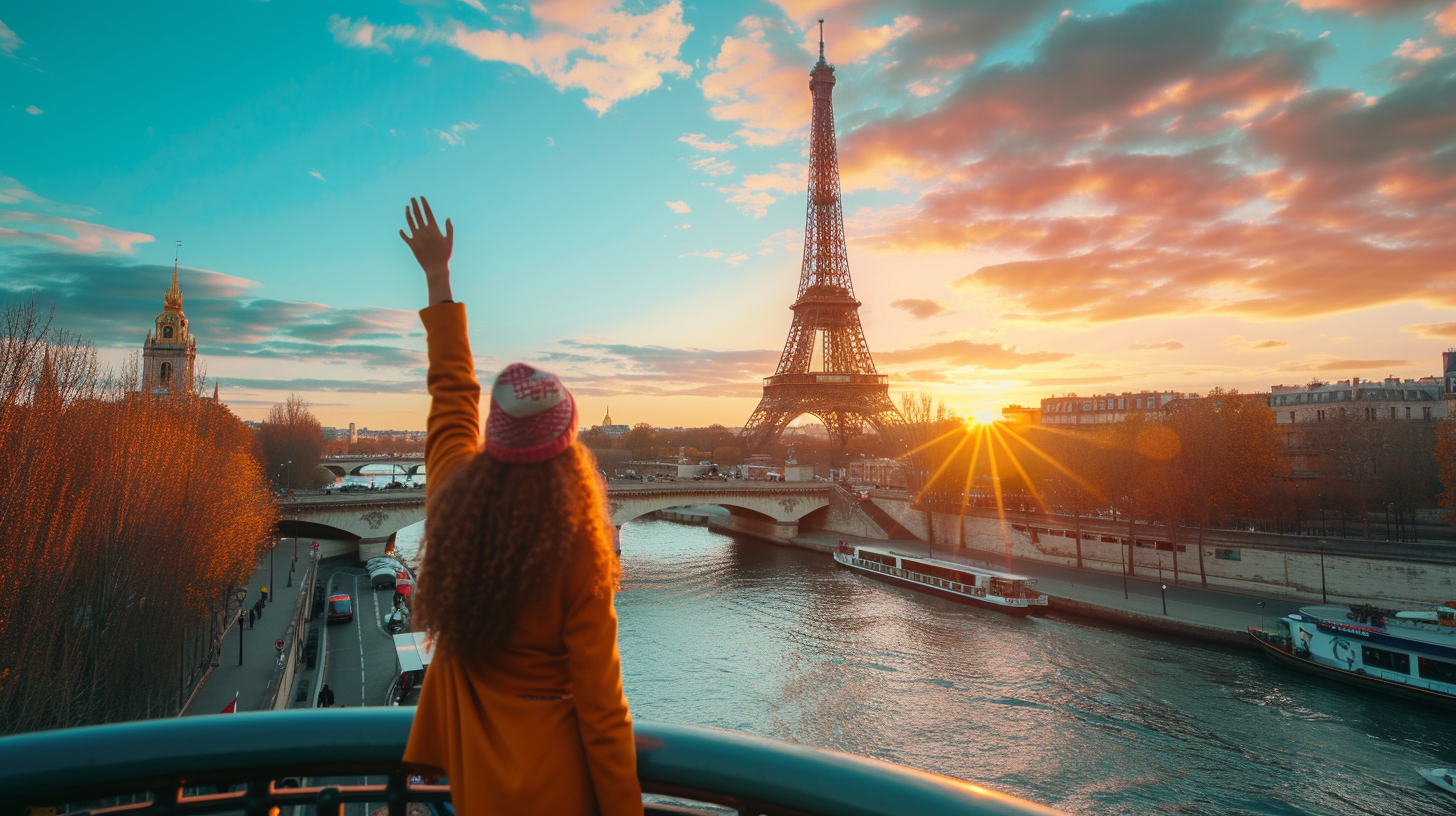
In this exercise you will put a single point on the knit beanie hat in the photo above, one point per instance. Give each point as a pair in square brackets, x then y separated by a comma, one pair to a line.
[532, 416]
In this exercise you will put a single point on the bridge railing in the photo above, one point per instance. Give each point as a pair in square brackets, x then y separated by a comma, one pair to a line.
[259, 762]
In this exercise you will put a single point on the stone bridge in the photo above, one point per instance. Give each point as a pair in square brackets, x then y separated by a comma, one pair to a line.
[366, 521]
[342, 466]
[770, 510]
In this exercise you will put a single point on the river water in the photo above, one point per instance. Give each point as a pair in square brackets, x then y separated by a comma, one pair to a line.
[783, 643]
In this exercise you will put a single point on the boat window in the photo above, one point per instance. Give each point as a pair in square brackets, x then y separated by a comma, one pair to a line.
[1438, 670]
[887, 560]
[1383, 659]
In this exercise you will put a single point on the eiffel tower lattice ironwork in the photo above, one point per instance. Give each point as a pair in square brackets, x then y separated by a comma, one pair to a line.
[848, 392]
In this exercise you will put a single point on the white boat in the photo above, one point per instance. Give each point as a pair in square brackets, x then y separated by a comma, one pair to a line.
[1409, 653]
[1440, 777]
[977, 586]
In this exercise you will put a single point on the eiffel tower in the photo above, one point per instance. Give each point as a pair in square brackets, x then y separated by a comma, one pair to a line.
[848, 393]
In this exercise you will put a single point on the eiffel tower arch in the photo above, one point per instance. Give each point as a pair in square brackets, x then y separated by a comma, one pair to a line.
[847, 393]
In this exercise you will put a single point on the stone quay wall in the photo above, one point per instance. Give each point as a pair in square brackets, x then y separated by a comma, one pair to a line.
[1292, 566]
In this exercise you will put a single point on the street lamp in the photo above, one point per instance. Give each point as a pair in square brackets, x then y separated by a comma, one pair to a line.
[1122, 554]
[1164, 593]
[241, 595]
[1324, 597]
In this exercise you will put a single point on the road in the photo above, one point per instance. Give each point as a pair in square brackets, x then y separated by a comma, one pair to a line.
[361, 661]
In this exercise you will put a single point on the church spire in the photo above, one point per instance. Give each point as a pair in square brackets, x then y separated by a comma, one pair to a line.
[173, 299]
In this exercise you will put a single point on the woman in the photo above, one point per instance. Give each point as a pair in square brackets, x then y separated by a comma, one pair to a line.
[523, 708]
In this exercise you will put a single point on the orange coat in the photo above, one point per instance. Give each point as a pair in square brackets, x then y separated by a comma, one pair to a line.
[503, 751]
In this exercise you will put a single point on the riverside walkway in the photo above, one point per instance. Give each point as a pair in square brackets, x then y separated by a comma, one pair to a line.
[260, 658]
[1206, 614]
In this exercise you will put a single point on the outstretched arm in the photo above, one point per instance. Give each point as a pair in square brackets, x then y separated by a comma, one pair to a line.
[454, 425]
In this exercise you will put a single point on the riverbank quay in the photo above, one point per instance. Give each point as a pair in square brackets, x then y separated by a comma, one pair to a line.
[1207, 615]
[250, 682]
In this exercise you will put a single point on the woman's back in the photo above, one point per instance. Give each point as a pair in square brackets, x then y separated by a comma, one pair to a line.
[523, 706]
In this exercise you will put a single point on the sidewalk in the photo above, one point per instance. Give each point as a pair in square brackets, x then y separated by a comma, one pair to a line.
[1207, 614]
[260, 658]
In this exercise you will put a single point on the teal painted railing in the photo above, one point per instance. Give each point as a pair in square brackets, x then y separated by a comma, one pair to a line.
[250, 754]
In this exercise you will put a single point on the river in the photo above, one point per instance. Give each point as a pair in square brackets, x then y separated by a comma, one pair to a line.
[783, 643]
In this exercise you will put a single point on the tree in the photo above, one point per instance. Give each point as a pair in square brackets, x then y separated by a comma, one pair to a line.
[1446, 467]
[641, 440]
[293, 445]
[128, 518]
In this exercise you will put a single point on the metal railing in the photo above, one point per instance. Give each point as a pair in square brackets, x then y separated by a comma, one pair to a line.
[246, 763]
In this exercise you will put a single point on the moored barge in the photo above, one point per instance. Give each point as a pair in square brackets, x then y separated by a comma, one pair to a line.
[1410, 654]
[1003, 591]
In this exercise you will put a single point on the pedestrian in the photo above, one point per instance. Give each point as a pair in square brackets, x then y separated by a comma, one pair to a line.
[265, 594]
[524, 710]
[258, 609]
[325, 696]
[252, 617]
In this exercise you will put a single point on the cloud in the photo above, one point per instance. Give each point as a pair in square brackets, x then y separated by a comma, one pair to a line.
[699, 141]
[970, 354]
[1239, 343]
[921, 308]
[590, 44]
[1200, 172]
[113, 300]
[454, 136]
[33, 110]
[550, 142]
[594, 368]
[682, 226]
[759, 85]
[307, 384]
[1167, 345]
[1445, 20]
[1418, 50]
[710, 253]
[316, 174]
[679, 206]
[1361, 8]
[423, 62]
[10, 42]
[363, 34]
[70, 234]
[713, 167]
[753, 195]
[1436, 331]
[735, 259]
[1347, 365]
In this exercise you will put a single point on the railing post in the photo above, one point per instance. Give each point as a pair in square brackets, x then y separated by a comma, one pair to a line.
[330, 803]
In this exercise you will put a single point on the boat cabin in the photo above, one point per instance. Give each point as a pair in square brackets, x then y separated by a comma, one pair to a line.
[948, 573]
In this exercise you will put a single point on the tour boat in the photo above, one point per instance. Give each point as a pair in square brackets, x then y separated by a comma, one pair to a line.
[1002, 591]
[1409, 653]
[1440, 777]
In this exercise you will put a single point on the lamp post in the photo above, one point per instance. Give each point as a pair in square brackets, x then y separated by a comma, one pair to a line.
[1122, 554]
[1324, 597]
[241, 595]
[1164, 593]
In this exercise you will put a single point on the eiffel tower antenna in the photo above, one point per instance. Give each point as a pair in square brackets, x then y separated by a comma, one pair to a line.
[848, 392]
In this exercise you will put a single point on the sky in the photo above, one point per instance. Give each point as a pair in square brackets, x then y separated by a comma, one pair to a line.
[1040, 197]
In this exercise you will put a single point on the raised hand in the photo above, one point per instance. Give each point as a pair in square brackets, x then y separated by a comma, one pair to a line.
[432, 250]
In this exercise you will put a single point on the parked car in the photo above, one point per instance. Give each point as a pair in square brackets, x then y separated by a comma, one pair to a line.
[381, 576]
[341, 609]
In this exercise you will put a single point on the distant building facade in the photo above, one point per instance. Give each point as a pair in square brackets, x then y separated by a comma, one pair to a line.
[1019, 415]
[1391, 398]
[1101, 409]
[610, 429]
[169, 356]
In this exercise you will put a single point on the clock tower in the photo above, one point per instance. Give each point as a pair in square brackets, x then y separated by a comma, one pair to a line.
[170, 352]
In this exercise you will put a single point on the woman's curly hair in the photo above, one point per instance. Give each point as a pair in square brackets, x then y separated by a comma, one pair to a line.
[497, 535]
